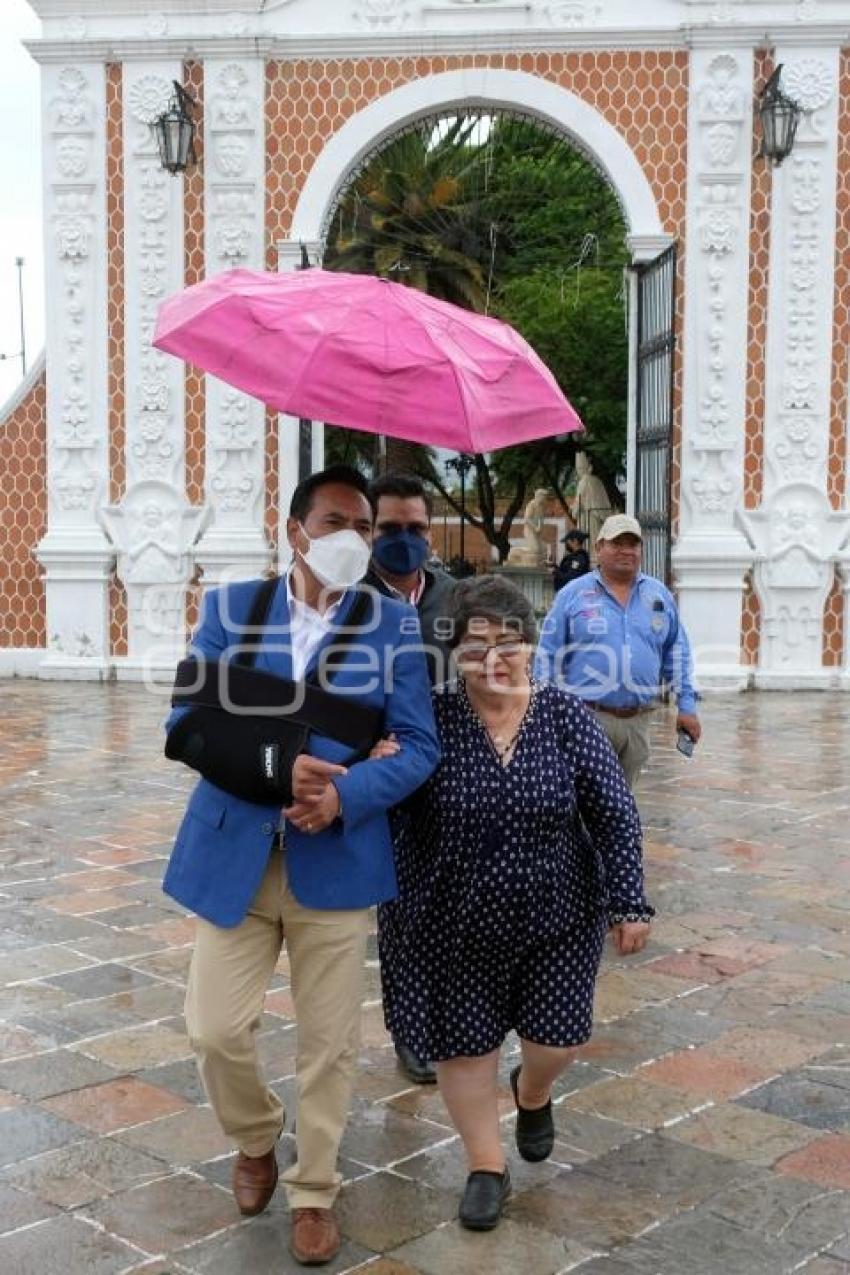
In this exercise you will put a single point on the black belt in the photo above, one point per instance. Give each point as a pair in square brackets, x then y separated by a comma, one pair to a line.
[620, 712]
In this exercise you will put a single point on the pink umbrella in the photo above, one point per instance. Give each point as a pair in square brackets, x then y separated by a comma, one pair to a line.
[363, 352]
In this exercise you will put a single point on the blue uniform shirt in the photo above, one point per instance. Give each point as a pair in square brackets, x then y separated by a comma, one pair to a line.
[618, 656]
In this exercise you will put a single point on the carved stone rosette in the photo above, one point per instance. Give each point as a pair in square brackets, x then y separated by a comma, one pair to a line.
[711, 555]
[75, 552]
[234, 211]
[797, 535]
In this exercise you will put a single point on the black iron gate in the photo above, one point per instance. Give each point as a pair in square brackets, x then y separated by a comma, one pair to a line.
[656, 356]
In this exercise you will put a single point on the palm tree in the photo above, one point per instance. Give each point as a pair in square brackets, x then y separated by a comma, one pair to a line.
[411, 216]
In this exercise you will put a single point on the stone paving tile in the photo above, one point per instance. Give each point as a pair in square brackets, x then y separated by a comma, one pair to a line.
[634, 1101]
[511, 1248]
[84, 1172]
[182, 1139]
[577, 1206]
[181, 1078]
[782, 1209]
[135, 1049]
[118, 1104]
[19, 1209]
[102, 980]
[677, 1174]
[827, 1160]
[706, 1073]
[803, 1097]
[739, 1134]
[383, 1211]
[63, 1245]
[26, 1131]
[767, 1045]
[40, 962]
[580, 1137]
[712, 1244]
[165, 1215]
[747, 970]
[56, 1072]
[381, 1137]
[262, 1246]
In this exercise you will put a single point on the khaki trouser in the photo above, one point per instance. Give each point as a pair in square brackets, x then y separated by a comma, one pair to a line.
[229, 975]
[629, 738]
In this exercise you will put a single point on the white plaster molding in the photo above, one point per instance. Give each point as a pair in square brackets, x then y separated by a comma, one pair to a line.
[154, 531]
[155, 389]
[20, 661]
[234, 209]
[798, 537]
[712, 556]
[74, 551]
[472, 88]
[797, 533]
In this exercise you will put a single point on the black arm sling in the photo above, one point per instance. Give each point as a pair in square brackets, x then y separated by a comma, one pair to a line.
[251, 753]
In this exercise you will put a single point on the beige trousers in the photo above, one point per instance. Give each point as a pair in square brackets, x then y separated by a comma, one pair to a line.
[629, 738]
[230, 972]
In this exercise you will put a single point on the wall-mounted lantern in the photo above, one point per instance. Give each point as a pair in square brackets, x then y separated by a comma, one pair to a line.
[175, 132]
[780, 118]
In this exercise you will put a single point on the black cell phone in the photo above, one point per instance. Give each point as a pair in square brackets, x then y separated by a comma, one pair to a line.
[684, 743]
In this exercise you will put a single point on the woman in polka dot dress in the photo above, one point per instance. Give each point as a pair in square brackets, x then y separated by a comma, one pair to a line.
[513, 861]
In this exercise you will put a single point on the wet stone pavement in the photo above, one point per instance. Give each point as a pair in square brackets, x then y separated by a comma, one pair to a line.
[706, 1129]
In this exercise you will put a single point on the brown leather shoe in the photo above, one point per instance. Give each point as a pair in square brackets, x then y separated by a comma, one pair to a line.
[254, 1181]
[315, 1236]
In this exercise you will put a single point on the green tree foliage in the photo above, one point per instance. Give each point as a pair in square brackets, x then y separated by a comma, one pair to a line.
[497, 214]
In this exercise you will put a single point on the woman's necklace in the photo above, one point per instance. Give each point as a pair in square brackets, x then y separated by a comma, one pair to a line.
[503, 738]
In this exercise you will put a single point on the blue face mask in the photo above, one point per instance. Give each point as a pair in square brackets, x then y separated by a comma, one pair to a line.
[401, 552]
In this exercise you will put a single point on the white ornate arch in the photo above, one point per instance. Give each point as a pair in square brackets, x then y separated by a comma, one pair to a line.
[480, 87]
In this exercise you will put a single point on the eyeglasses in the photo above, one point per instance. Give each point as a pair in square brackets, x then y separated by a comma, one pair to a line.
[477, 652]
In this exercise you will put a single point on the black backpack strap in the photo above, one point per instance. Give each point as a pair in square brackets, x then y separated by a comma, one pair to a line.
[333, 656]
[253, 635]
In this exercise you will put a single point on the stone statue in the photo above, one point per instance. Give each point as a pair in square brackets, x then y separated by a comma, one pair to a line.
[532, 552]
[591, 505]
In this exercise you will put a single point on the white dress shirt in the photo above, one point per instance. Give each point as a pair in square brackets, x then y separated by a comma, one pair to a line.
[308, 629]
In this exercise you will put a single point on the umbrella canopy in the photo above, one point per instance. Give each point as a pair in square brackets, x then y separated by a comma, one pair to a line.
[360, 351]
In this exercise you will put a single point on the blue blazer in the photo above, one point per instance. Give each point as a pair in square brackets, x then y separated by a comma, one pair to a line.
[223, 844]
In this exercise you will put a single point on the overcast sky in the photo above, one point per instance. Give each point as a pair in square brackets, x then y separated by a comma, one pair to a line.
[20, 190]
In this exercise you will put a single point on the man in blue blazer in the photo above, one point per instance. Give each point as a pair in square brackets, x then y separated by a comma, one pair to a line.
[309, 874]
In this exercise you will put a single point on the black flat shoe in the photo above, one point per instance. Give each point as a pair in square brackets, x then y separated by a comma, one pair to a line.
[535, 1130]
[483, 1200]
[416, 1069]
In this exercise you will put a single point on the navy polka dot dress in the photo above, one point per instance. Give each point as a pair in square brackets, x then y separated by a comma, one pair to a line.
[506, 878]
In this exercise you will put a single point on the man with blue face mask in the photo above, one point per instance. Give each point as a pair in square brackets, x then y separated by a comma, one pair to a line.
[401, 547]
[257, 876]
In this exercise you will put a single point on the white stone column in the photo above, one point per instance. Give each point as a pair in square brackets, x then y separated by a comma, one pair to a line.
[796, 533]
[75, 552]
[153, 527]
[711, 554]
[289, 256]
[235, 545]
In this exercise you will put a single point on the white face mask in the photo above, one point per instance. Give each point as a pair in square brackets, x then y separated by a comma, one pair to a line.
[338, 560]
